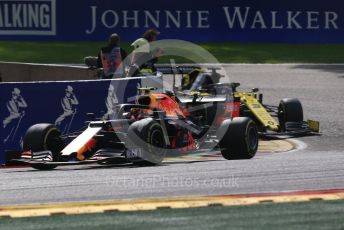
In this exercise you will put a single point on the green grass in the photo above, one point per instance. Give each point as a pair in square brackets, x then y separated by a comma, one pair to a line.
[277, 53]
[303, 216]
[73, 52]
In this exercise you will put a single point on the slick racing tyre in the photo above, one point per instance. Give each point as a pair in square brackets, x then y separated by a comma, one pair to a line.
[289, 110]
[40, 137]
[238, 138]
[146, 142]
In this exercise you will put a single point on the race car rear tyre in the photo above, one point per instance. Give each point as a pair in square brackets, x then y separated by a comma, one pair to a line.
[238, 138]
[40, 137]
[147, 136]
[289, 110]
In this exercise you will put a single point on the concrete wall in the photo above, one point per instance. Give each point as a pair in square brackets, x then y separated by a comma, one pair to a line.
[23, 72]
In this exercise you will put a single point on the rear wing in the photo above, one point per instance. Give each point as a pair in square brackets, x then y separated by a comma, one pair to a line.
[175, 69]
[182, 69]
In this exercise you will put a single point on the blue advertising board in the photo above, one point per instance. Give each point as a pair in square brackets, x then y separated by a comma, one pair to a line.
[64, 104]
[221, 20]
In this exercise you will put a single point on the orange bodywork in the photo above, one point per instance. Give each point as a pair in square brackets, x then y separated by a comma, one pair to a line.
[165, 103]
[87, 147]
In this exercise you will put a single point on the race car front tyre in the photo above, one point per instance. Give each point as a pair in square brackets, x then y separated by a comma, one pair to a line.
[289, 110]
[238, 138]
[40, 137]
[146, 141]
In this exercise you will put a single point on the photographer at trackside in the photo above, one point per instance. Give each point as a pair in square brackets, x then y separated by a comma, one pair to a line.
[144, 56]
[110, 58]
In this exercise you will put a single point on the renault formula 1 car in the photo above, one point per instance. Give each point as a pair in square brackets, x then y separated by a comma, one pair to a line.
[159, 124]
[284, 119]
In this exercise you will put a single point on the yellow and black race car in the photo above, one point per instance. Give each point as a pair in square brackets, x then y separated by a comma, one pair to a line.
[203, 84]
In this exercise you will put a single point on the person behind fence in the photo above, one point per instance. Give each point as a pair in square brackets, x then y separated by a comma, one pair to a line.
[111, 57]
[144, 55]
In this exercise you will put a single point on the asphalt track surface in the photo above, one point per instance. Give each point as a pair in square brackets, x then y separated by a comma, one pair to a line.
[319, 166]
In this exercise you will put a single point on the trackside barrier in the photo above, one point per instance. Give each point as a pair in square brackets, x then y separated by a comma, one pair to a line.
[23, 72]
[63, 103]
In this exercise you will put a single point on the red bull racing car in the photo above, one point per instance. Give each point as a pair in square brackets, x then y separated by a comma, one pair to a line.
[157, 125]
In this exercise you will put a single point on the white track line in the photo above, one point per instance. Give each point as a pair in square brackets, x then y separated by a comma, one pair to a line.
[299, 145]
